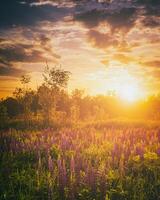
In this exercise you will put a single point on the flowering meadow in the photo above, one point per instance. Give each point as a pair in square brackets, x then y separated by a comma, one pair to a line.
[80, 164]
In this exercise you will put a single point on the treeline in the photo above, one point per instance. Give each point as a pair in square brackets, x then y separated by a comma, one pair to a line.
[51, 103]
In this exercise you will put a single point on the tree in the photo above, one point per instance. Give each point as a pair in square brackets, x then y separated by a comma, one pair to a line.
[25, 80]
[77, 96]
[55, 80]
[24, 96]
[3, 116]
[18, 93]
[63, 103]
[35, 105]
[13, 106]
[46, 99]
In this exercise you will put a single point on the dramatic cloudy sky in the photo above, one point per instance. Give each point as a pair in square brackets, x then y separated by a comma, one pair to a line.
[103, 43]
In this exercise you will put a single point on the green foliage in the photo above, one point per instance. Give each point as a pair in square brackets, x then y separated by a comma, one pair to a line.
[56, 77]
[50, 93]
[3, 116]
[13, 106]
[51, 106]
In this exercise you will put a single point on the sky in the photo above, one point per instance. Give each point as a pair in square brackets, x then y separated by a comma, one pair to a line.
[107, 45]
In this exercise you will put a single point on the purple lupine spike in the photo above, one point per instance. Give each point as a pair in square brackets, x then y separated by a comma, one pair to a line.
[90, 177]
[64, 172]
[72, 165]
[50, 164]
[62, 178]
[140, 151]
[60, 168]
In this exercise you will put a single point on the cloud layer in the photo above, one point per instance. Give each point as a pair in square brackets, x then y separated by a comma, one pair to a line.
[84, 36]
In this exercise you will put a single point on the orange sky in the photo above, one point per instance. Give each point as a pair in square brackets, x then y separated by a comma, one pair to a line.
[106, 46]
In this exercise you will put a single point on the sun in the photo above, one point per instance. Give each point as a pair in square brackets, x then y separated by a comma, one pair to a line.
[130, 93]
[120, 82]
[127, 86]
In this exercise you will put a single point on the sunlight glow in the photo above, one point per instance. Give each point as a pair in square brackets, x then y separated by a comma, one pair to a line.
[121, 81]
[129, 93]
[126, 84]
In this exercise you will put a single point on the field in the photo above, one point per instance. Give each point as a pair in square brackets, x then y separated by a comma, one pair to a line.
[79, 100]
[83, 163]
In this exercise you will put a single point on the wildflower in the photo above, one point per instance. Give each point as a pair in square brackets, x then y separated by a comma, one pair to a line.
[150, 156]
[50, 163]
[72, 168]
[140, 151]
[136, 158]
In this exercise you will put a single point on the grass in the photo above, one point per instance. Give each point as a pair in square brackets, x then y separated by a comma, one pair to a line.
[98, 161]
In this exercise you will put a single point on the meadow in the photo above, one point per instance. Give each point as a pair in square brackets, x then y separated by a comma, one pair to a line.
[56, 145]
[79, 100]
[91, 162]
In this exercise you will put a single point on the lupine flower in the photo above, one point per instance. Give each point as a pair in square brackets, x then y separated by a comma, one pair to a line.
[50, 164]
[113, 149]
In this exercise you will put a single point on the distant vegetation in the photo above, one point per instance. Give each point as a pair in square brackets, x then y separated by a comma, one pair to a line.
[52, 105]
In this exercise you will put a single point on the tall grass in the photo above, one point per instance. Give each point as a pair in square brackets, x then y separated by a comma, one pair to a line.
[81, 164]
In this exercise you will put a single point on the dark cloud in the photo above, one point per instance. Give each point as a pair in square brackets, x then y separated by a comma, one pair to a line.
[148, 2]
[15, 13]
[117, 20]
[151, 12]
[8, 56]
[23, 52]
[20, 53]
[124, 19]
[152, 22]
[17, 53]
[12, 53]
[120, 19]
[101, 40]
[91, 18]
[150, 7]
[11, 71]
[120, 15]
